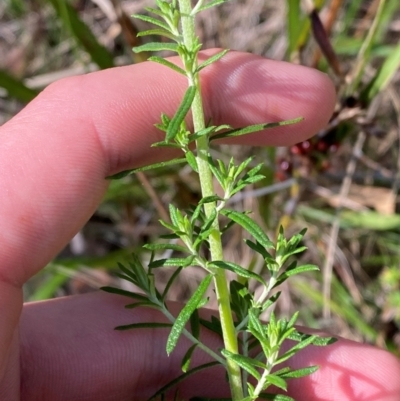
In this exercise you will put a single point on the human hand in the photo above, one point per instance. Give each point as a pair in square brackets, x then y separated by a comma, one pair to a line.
[55, 156]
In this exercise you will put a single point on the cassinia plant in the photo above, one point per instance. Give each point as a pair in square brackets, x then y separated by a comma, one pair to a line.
[251, 348]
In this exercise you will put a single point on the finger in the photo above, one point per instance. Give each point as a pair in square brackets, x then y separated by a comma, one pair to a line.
[70, 351]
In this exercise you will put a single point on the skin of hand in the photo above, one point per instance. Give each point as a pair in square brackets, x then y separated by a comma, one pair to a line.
[55, 155]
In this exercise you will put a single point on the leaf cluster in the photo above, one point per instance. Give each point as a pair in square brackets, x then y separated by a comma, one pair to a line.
[262, 340]
[195, 234]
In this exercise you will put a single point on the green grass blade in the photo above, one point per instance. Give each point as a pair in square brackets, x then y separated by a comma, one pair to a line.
[16, 88]
[384, 75]
[82, 33]
[49, 286]
[294, 24]
[365, 51]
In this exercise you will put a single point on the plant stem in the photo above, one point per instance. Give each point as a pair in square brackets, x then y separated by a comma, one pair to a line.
[206, 182]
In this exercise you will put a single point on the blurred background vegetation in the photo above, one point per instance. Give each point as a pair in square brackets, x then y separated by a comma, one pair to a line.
[342, 185]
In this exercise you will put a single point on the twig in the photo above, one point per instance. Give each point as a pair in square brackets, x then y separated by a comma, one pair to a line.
[344, 191]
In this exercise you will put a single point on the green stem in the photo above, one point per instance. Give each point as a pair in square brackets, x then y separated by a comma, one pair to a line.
[206, 182]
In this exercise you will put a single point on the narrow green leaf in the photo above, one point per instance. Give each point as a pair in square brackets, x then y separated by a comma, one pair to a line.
[276, 397]
[82, 33]
[141, 274]
[220, 176]
[294, 19]
[254, 128]
[158, 247]
[170, 282]
[195, 322]
[181, 378]
[169, 236]
[186, 312]
[293, 320]
[16, 88]
[209, 222]
[204, 132]
[175, 215]
[148, 304]
[252, 179]
[296, 348]
[246, 363]
[244, 183]
[181, 113]
[196, 213]
[167, 63]
[155, 11]
[214, 325]
[256, 246]
[152, 20]
[203, 236]
[128, 272]
[212, 3]
[240, 299]
[127, 278]
[233, 267]
[243, 165]
[164, 144]
[209, 199]
[384, 75]
[318, 341]
[191, 159]
[156, 47]
[295, 374]
[280, 372]
[277, 381]
[171, 227]
[222, 167]
[300, 269]
[255, 327]
[270, 301]
[123, 174]
[150, 325]
[187, 358]
[249, 225]
[124, 293]
[212, 59]
[158, 32]
[172, 262]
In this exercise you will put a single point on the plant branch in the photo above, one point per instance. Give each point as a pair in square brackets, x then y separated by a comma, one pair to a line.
[206, 182]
